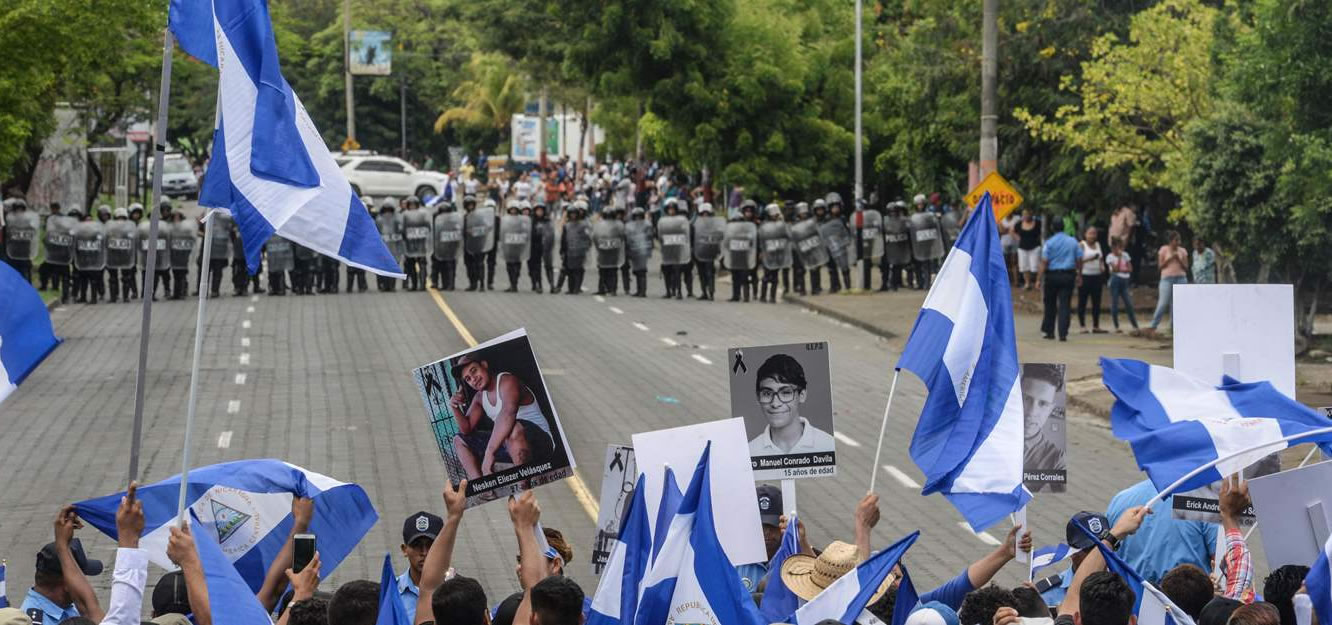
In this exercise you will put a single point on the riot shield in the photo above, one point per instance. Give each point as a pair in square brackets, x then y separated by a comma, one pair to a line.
[89, 246]
[59, 239]
[809, 243]
[739, 246]
[577, 242]
[416, 233]
[638, 239]
[281, 256]
[897, 241]
[708, 235]
[182, 238]
[674, 233]
[479, 231]
[950, 226]
[121, 240]
[515, 238]
[871, 239]
[221, 235]
[774, 245]
[926, 237]
[546, 232]
[448, 236]
[158, 247]
[837, 238]
[608, 236]
[21, 235]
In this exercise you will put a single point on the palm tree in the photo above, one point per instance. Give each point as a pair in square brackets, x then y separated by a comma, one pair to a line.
[492, 94]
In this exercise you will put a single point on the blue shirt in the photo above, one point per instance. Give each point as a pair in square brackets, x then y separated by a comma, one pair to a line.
[409, 594]
[752, 574]
[1162, 543]
[50, 612]
[1061, 252]
[1055, 594]
[951, 592]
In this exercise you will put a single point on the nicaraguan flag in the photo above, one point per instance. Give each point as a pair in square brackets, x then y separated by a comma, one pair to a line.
[1176, 423]
[26, 336]
[906, 599]
[270, 166]
[248, 503]
[1318, 583]
[969, 444]
[670, 504]
[778, 600]
[4, 590]
[1153, 607]
[1050, 555]
[233, 601]
[616, 599]
[391, 611]
[844, 599]
[692, 580]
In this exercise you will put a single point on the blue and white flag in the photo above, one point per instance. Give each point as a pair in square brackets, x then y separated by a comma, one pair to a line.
[692, 580]
[4, 590]
[249, 505]
[1318, 583]
[844, 599]
[1152, 607]
[391, 610]
[1176, 423]
[269, 164]
[1051, 555]
[906, 600]
[670, 504]
[26, 336]
[232, 599]
[778, 600]
[969, 444]
[616, 599]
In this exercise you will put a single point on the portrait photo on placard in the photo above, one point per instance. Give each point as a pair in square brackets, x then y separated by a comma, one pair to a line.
[1204, 504]
[784, 395]
[1045, 424]
[493, 419]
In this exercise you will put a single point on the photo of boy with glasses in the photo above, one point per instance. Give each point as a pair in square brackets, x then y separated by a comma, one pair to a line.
[781, 391]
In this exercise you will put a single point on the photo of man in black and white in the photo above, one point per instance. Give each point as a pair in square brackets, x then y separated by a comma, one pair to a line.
[787, 407]
[1043, 405]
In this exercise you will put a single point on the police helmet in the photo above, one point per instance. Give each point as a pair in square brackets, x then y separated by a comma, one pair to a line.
[705, 208]
[833, 198]
[120, 213]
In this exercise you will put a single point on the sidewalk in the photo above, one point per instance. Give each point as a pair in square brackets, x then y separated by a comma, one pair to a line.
[891, 315]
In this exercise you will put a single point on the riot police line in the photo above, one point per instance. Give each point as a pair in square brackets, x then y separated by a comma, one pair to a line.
[791, 245]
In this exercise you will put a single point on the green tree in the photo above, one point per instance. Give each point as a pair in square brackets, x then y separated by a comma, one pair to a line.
[490, 96]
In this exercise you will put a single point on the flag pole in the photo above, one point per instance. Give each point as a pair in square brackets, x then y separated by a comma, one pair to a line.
[883, 425]
[150, 269]
[194, 366]
[1191, 474]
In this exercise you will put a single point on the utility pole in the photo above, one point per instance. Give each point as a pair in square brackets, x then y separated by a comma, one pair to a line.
[989, 142]
[859, 190]
[402, 113]
[347, 75]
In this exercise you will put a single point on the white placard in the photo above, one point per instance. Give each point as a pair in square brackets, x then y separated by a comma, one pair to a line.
[1216, 323]
[733, 501]
[1294, 513]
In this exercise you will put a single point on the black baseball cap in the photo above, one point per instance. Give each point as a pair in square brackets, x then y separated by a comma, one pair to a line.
[170, 596]
[463, 361]
[49, 562]
[421, 524]
[770, 504]
[1097, 524]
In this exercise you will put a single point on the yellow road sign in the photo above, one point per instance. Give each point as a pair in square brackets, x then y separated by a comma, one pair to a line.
[350, 144]
[1003, 196]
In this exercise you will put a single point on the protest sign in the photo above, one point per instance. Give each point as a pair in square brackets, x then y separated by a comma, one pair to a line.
[784, 395]
[617, 488]
[1245, 331]
[493, 419]
[1295, 512]
[733, 498]
[1045, 452]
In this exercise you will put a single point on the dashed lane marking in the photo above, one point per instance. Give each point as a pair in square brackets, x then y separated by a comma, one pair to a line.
[700, 358]
[224, 440]
[901, 477]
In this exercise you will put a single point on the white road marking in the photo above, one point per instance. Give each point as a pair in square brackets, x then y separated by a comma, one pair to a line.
[616, 310]
[249, 309]
[224, 440]
[246, 324]
[240, 378]
[598, 298]
[233, 406]
[254, 298]
[700, 358]
[640, 326]
[245, 358]
[984, 537]
[845, 440]
[902, 478]
[245, 341]
[669, 341]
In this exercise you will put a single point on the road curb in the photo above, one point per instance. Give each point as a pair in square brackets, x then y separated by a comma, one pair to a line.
[829, 311]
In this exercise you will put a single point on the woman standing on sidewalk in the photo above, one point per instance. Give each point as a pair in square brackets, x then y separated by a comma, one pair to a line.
[1029, 248]
[1091, 280]
[1173, 260]
[1121, 270]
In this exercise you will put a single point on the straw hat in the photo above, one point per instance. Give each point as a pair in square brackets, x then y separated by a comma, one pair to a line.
[808, 576]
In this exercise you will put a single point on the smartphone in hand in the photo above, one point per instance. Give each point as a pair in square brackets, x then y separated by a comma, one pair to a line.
[303, 549]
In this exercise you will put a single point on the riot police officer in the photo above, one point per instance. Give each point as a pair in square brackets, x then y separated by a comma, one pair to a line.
[448, 243]
[838, 238]
[815, 268]
[181, 238]
[306, 262]
[706, 237]
[121, 242]
[390, 230]
[896, 247]
[543, 248]
[356, 275]
[867, 224]
[220, 253]
[281, 260]
[774, 251]
[89, 257]
[575, 242]
[624, 265]
[515, 236]
[240, 272]
[60, 250]
[739, 250]
[673, 231]
[490, 254]
[21, 229]
[686, 268]
[416, 234]
[608, 238]
[478, 241]
[638, 241]
[927, 244]
[799, 213]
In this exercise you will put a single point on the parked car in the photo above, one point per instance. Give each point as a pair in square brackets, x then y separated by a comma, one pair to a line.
[178, 179]
[377, 175]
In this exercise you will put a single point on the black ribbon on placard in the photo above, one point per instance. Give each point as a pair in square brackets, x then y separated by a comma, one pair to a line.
[739, 363]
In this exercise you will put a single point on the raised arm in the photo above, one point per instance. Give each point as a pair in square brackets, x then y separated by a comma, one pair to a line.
[441, 552]
[77, 584]
[525, 513]
[131, 573]
[983, 570]
[867, 516]
[1238, 560]
[1128, 523]
[302, 511]
[181, 550]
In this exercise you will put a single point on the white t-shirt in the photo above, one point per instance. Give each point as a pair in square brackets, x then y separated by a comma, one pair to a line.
[1091, 259]
[522, 189]
[1120, 264]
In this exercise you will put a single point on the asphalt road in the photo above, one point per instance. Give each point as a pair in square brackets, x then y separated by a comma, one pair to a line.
[324, 382]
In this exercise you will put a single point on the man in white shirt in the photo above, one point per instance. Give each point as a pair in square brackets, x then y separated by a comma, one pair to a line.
[780, 389]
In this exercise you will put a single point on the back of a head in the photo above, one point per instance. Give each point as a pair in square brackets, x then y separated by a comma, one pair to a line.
[1029, 603]
[980, 605]
[312, 611]
[354, 603]
[1189, 588]
[1105, 600]
[1218, 611]
[507, 609]
[170, 596]
[1256, 614]
[1280, 586]
[557, 600]
[459, 601]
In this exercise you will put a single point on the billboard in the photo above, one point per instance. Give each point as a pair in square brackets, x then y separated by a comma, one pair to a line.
[370, 52]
